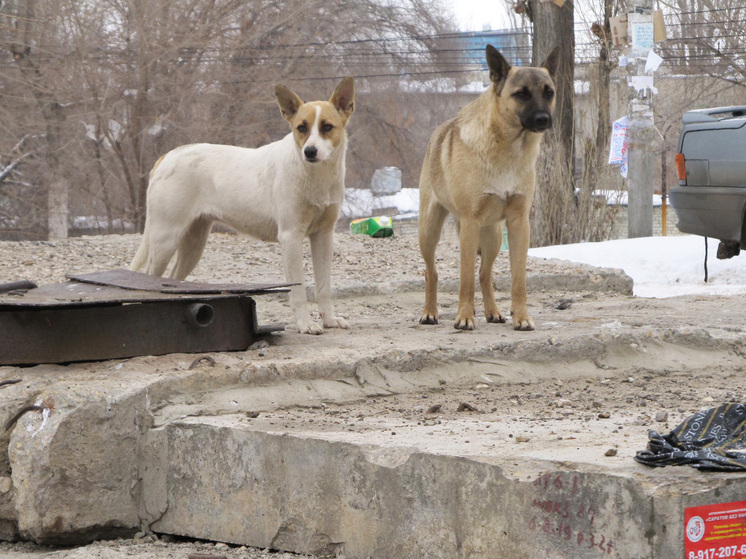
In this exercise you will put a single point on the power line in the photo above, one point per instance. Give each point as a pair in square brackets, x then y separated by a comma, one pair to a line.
[393, 52]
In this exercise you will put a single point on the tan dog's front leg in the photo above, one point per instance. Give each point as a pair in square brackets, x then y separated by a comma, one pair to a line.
[291, 246]
[489, 246]
[430, 225]
[322, 250]
[469, 244]
[519, 232]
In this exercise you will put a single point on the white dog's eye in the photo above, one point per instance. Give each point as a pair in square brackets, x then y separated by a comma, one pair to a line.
[326, 127]
[303, 128]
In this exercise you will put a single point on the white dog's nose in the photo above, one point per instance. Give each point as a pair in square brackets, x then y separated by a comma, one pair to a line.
[311, 153]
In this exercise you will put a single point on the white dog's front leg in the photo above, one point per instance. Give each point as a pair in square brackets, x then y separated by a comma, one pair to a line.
[321, 254]
[291, 246]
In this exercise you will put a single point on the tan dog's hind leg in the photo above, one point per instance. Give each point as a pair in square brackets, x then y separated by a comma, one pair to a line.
[430, 226]
[519, 232]
[469, 245]
[490, 239]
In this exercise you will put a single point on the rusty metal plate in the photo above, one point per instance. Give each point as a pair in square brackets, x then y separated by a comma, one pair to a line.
[122, 286]
[125, 314]
[91, 333]
[127, 279]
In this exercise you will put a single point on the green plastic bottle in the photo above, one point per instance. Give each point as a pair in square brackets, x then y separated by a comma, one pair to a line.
[374, 226]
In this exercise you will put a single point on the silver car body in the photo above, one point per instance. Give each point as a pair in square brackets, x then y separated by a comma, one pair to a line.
[711, 199]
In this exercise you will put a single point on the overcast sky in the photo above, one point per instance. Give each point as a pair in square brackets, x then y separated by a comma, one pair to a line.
[473, 15]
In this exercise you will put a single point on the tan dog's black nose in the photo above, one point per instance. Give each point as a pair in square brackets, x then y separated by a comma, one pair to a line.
[539, 122]
[543, 120]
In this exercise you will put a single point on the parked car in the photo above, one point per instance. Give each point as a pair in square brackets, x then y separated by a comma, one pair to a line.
[710, 199]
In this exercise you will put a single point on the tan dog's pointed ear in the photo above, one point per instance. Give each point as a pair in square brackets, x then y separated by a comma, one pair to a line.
[288, 101]
[552, 61]
[499, 67]
[343, 97]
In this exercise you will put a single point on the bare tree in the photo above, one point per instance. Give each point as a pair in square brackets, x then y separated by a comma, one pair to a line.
[27, 39]
[708, 38]
[109, 86]
[554, 26]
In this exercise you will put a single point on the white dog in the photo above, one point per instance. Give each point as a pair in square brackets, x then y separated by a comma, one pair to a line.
[284, 191]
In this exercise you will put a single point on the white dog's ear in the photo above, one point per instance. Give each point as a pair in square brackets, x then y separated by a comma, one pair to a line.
[288, 101]
[343, 97]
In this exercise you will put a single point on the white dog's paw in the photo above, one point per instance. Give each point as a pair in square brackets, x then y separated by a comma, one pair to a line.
[309, 327]
[336, 322]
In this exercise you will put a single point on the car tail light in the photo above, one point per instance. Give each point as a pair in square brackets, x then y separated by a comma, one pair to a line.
[681, 166]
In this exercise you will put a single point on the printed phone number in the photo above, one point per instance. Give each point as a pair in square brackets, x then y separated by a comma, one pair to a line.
[718, 552]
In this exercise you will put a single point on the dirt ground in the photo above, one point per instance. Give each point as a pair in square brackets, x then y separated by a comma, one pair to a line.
[647, 384]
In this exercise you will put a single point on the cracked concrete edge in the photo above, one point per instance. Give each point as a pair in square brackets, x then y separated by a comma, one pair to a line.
[571, 278]
[307, 495]
[79, 473]
[74, 468]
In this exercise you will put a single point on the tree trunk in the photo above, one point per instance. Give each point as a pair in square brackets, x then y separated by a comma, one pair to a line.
[604, 86]
[554, 25]
[54, 117]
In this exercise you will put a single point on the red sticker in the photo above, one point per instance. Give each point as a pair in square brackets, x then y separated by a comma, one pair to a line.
[715, 531]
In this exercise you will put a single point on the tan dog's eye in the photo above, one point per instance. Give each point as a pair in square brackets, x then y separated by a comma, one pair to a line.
[522, 94]
[326, 127]
[303, 128]
[548, 93]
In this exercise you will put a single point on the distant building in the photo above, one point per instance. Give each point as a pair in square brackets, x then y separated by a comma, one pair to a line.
[513, 44]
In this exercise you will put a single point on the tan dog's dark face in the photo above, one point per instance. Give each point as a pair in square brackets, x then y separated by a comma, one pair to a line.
[318, 127]
[525, 96]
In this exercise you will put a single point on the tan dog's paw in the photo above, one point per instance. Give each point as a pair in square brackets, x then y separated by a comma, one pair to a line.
[336, 322]
[309, 327]
[428, 318]
[523, 322]
[464, 323]
[497, 317]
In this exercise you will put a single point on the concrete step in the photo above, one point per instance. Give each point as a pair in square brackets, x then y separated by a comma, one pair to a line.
[349, 453]
[408, 491]
[443, 462]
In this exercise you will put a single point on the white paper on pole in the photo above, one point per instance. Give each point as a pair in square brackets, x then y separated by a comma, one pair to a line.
[619, 149]
[641, 33]
[641, 83]
[653, 62]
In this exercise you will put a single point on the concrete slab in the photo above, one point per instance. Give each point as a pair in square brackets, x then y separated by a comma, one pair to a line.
[364, 495]
[353, 442]
[451, 465]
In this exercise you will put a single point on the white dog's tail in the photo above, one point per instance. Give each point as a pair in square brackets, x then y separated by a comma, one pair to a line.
[140, 261]
[141, 256]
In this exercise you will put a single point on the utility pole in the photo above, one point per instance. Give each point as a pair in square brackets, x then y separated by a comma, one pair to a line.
[641, 171]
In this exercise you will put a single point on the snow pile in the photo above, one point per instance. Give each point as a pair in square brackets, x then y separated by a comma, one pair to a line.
[660, 266]
[360, 202]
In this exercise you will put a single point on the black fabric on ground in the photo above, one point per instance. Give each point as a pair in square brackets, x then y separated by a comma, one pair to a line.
[708, 440]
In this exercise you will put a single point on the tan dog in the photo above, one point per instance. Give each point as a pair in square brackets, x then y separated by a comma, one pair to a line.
[481, 167]
[283, 191]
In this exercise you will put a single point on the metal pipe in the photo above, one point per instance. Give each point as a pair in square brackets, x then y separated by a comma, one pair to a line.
[200, 315]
